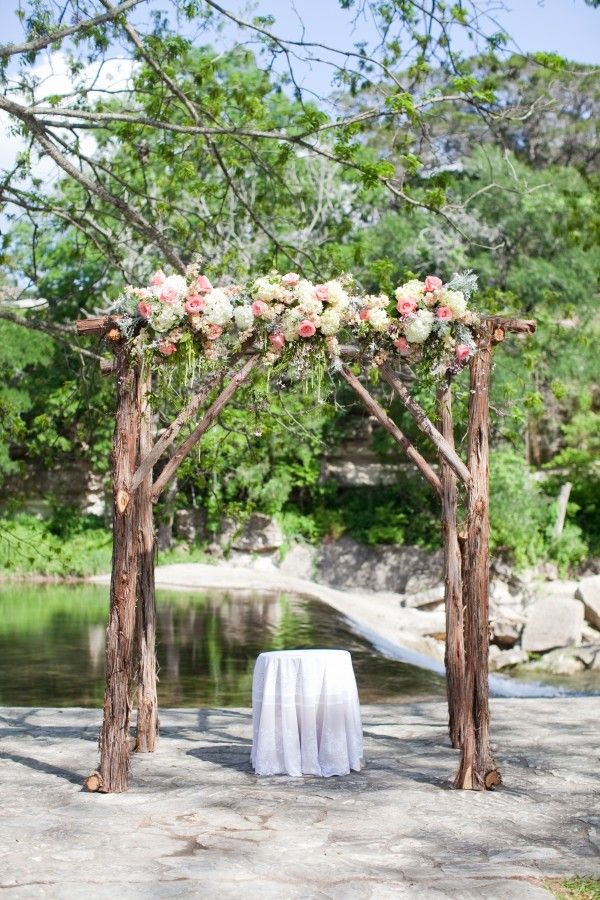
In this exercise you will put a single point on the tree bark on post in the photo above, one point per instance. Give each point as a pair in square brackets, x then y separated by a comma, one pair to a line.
[477, 770]
[147, 702]
[455, 649]
[114, 738]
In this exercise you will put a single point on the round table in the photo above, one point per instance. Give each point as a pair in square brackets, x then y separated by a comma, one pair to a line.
[305, 714]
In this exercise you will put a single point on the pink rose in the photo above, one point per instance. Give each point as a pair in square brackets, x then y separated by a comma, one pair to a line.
[402, 345]
[194, 304]
[306, 329]
[166, 347]
[321, 292]
[259, 308]
[169, 295]
[443, 312]
[433, 283]
[158, 278]
[462, 352]
[406, 306]
[277, 340]
[214, 332]
[203, 284]
[145, 309]
[364, 314]
[291, 279]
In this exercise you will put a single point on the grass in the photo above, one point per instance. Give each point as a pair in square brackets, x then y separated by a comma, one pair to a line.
[579, 887]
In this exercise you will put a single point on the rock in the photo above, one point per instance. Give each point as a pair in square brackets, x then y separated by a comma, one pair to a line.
[553, 622]
[562, 661]
[259, 534]
[428, 599]
[502, 659]
[588, 591]
[189, 524]
[298, 562]
[266, 562]
[506, 630]
[400, 570]
[589, 656]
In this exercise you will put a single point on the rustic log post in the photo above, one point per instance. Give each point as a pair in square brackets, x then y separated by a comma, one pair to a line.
[455, 650]
[477, 770]
[114, 738]
[147, 702]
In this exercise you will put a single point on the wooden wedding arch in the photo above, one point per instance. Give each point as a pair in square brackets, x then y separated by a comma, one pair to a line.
[130, 642]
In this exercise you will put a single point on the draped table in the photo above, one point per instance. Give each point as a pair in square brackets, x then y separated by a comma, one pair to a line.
[305, 714]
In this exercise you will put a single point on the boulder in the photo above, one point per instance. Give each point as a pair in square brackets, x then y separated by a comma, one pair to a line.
[384, 567]
[588, 591]
[189, 524]
[502, 659]
[562, 661]
[506, 630]
[589, 655]
[259, 534]
[298, 562]
[428, 599]
[553, 622]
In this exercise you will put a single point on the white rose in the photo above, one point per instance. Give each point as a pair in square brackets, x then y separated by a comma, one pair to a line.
[455, 300]
[305, 291]
[264, 289]
[310, 307]
[244, 317]
[330, 322]
[417, 330]
[378, 319]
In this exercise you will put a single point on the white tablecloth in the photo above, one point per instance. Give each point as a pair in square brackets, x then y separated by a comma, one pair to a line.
[305, 714]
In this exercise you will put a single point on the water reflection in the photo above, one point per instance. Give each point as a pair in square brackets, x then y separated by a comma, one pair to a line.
[52, 647]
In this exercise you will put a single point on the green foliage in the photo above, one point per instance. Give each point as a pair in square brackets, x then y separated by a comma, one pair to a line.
[67, 545]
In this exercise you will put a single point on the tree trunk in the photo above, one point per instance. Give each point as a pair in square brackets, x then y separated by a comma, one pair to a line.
[147, 703]
[477, 769]
[114, 739]
[455, 648]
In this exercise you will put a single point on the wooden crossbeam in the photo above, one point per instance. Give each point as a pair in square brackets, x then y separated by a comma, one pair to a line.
[390, 426]
[207, 420]
[425, 424]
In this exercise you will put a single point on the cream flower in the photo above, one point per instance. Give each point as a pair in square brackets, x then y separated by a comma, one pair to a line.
[177, 282]
[289, 324]
[378, 318]
[455, 300]
[218, 309]
[418, 329]
[413, 289]
[338, 297]
[165, 319]
[330, 321]
[244, 317]
[266, 290]
[310, 307]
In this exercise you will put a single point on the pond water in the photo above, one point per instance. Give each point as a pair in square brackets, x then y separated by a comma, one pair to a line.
[52, 647]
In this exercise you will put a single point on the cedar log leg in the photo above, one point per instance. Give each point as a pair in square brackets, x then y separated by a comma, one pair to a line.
[455, 649]
[114, 739]
[477, 770]
[147, 703]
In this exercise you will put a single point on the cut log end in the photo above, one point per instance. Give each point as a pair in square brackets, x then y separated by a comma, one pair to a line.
[492, 779]
[94, 782]
[121, 501]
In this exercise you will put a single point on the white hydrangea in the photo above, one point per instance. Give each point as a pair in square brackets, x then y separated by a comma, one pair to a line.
[305, 291]
[456, 301]
[418, 329]
[413, 289]
[289, 325]
[338, 297]
[165, 318]
[330, 322]
[244, 317]
[378, 318]
[177, 282]
[218, 309]
[266, 290]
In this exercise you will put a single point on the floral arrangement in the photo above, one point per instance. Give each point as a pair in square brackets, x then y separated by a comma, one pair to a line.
[287, 314]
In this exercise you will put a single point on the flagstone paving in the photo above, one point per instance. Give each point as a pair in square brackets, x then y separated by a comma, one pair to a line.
[198, 822]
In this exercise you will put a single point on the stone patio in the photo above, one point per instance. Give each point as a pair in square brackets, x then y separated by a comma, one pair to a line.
[197, 822]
